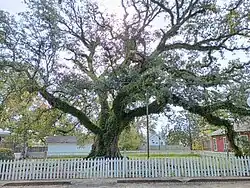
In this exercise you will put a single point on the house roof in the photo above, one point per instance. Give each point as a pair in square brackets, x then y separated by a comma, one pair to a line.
[61, 139]
[238, 127]
[218, 132]
[4, 133]
[155, 136]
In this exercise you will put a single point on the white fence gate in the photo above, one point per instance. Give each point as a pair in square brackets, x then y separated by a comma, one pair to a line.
[124, 168]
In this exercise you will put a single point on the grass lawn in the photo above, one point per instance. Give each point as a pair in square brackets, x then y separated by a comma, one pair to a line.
[133, 155]
[161, 155]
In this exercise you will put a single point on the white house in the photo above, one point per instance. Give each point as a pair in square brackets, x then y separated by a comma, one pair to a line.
[156, 140]
[61, 144]
[65, 145]
[3, 134]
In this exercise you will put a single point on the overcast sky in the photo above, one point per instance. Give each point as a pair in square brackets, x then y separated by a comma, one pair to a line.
[15, 6]
[12, 6]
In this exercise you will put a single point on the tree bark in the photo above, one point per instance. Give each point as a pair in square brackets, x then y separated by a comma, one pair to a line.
[105, 145]
[231, 138]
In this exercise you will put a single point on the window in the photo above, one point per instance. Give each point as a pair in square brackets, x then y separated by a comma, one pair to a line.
[225, 142]
[214, 144]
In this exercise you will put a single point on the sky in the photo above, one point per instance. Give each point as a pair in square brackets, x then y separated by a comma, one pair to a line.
[12, 6]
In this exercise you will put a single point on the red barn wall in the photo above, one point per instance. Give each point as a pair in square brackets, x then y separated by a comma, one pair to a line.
[220, 143]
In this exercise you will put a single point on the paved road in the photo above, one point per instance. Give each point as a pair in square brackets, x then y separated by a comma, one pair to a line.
[113, 184]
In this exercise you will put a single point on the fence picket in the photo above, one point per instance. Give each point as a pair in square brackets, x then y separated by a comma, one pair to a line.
[116, 169]
[123, 167]
[237, 167]
[103, 167]
[47, 170]
[178, 167]
[152, 168]
[165, 168]
[194, 167]
[13, 170]
[230, 167]
[146, 168]
[243, 166]
[55, 169]
[120, 168]
[155, 167]
[58, 171]
[23, 169]
[218, 166]
[205, 166]
[81, 168]
[247, 165]
[6, 170]
[188, 167]
[111, 172]
[98, 170]
[133, 168]
[136, 168]
[227, 166]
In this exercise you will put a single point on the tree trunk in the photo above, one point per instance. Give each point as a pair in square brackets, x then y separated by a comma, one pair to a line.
[106, 145]
[231, 138]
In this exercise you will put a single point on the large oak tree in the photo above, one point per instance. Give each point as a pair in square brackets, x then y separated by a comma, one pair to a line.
[98, 67]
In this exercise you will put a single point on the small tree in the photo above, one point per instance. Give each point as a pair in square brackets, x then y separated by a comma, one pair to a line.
[130, 139]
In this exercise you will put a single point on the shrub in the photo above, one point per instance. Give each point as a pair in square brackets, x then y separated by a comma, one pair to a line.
[6, 154]
[246, 148]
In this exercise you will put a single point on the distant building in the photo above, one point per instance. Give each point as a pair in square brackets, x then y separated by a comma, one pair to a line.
[65, 145]
[156, 142]
[61, 144]
[219, 140]
[3, 134]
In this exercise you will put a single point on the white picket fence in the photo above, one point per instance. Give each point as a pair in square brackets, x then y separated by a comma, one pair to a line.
[124, 168]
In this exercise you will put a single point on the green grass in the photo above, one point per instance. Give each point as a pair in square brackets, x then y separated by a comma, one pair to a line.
[136, 155]
[160, 155]
[68, 157]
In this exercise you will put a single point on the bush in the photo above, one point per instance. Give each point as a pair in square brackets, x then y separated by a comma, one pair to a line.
[246, 148]
[6, 154]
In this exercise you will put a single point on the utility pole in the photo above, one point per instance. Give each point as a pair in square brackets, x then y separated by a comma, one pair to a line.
[159, 142]
[147, 123]
[190, 136]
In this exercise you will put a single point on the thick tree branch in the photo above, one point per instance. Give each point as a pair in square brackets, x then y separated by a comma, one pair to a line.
[153, 108]
[66, 108]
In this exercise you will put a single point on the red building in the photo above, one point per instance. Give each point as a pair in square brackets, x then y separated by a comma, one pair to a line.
[219, 141]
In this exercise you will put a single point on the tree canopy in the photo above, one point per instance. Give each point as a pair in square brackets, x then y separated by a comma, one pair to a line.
[97, 66]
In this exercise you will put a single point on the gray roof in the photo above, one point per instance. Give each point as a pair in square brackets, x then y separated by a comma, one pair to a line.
[243, 127]
[218, 132]
[61, 139]
[4, 133]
